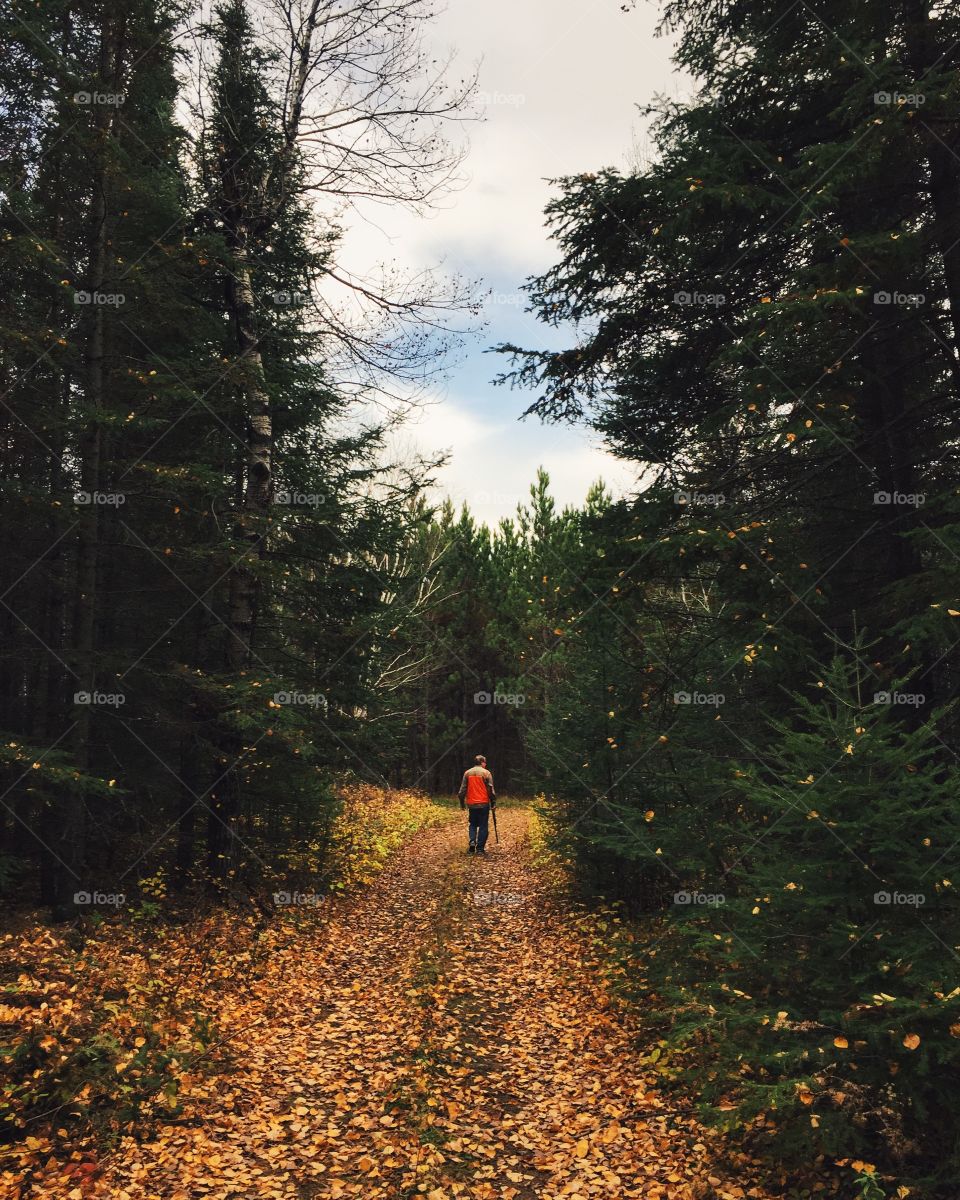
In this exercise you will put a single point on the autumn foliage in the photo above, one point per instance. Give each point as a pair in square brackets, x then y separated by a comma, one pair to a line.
[100, 1021]
[449, 1030]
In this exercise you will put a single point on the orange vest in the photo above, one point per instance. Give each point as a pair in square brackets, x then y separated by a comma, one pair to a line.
[477, 789]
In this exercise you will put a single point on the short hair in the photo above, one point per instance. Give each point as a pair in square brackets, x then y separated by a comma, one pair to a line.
[481, 758]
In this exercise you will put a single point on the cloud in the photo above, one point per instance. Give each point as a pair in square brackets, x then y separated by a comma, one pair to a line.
[560, 81]
[493, 462]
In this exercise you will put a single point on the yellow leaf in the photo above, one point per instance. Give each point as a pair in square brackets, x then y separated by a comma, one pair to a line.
[841, 1042]
[911, 1041]
[582, 1148]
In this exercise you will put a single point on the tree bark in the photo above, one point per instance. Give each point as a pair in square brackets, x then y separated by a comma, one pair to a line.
[71, 843]
[928, 53]
[253, 519]
[251, 528]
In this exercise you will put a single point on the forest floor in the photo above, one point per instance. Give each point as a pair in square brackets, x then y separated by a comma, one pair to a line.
[445, 1032]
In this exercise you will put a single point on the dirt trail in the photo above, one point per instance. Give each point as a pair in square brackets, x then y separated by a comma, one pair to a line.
[441, 1033]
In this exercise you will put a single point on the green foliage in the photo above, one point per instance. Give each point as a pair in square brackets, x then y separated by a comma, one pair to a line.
[765, 319]
[190, 766]
[800, 993]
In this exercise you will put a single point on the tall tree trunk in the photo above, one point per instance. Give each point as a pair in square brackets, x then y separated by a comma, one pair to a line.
[927, 52]
[251, 527]
[252, 523]
[189, 775]
[71, 844]
[56, 681]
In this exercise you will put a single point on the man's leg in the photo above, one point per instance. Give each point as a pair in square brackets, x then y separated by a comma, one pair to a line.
[472, 828]
[483, 826]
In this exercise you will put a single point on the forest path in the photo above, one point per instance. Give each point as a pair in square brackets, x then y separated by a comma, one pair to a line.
[443, 1033]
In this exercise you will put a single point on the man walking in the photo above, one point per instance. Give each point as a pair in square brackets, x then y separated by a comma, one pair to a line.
[478, 797]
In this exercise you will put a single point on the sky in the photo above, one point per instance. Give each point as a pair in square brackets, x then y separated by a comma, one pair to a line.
[559, 83]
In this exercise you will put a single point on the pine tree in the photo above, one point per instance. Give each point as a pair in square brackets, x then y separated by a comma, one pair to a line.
[765, 326]
[823, 980]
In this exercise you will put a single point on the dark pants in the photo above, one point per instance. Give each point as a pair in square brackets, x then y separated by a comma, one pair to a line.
[479, 824]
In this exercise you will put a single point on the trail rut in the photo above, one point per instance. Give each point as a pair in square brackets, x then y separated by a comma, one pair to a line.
[443, 1033]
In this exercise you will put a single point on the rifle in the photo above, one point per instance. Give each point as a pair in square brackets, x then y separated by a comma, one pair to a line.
[496, 832]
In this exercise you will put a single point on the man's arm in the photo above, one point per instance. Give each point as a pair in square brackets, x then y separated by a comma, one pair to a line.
[491, 794]
[463, 790]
